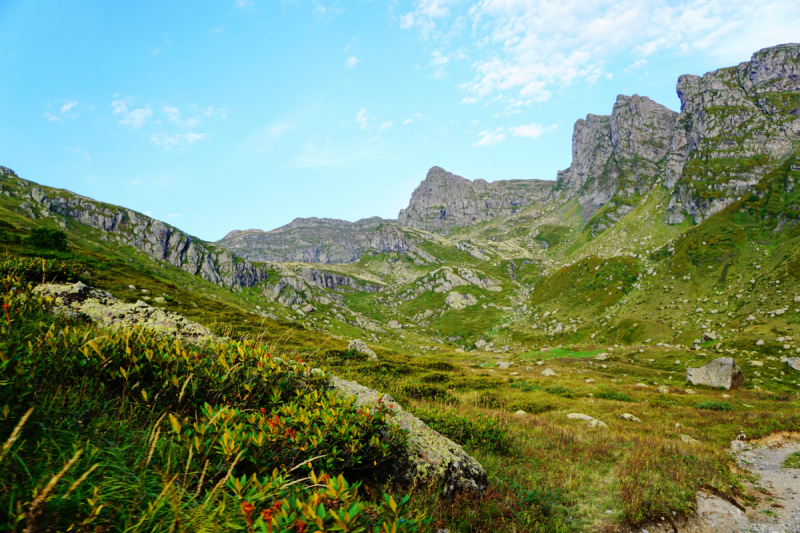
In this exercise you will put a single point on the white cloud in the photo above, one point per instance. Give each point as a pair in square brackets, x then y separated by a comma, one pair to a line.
[173, 215]
[68, 106]
[173, 114]
[148, 213]
[489, 138]
[361, 119]
[385, 126]
[531, 130]
[634, 65]
[351, 62]
[51, 117]
[535, 48]
[80, 152]
[241, 4]
[136, 118]
[180, 140]
[468, 100]
[408, 121]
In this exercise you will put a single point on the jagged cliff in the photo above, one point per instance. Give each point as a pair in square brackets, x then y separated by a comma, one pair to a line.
[444, 201]
[305, 240]
[159, 241]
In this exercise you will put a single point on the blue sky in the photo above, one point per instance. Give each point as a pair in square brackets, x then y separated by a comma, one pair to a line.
[236, 114]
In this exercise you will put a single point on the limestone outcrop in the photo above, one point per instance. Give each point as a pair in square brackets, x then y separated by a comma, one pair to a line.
[722, 372]
[305, 240]
[444, 201]
[106, 311]
[429, 458]
[158, 240]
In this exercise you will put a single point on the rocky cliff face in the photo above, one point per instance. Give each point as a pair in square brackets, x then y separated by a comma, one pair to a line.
[620, 154]
[736, 125]
[159, 241]
[305, 240]
[443, 200]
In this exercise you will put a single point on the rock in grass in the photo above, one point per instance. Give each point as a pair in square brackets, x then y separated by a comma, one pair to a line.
[794, 363]
[359, 346]
[520, 413]
[721, 372]
[629, 417]
[457, 301]
[597, 424]
[106, 311]
[580, 416]
[663, 389]
[429, 458]
[548, 372]
[689, 439]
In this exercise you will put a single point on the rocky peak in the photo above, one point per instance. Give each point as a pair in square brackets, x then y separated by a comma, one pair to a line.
[444, 200]
[618, 154]
[305, 240]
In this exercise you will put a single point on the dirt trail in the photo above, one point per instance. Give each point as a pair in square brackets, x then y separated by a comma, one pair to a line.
[779, 510]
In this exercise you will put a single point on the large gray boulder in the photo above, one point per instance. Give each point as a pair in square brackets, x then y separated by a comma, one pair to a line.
[721, 372]
[794, 363]
[429, 457]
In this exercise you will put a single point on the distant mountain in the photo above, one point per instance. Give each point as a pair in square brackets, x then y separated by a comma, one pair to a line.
[305, 240]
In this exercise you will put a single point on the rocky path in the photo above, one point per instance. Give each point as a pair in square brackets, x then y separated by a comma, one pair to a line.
[776, 489]
[779, 511]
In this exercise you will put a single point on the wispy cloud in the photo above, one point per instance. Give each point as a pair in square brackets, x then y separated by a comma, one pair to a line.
[179, 140]
[489, 138]
[242, 4]
[173, 215]
[80, 153]
[531, 130]
[408, 121]
[68, 106]
[535, 48]
[361, 119]
[385, 126]
[351, 61]
[135, 118]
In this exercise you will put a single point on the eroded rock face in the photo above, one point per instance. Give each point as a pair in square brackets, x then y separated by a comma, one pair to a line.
[735, 126]
[722, 372]
[443, 200]
[621, 154]
[458, 301]
[305, 240]
[430, 458]
[106, 311]
[158, 240]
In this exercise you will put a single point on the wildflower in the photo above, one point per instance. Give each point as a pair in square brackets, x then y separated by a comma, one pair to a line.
[247, 509]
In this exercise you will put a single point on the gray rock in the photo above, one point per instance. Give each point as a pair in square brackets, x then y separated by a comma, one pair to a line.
[629, 417]
[443, 200]
[547, 372]
[721, 372]
[359, 346]
[724, 515]
[794, 363]
[460, 301]
[429, 458]
[394, 324]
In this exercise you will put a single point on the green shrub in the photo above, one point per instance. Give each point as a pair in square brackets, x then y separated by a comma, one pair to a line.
[165, 435]
[48, 239]
[427, 391]
[530, 407]
[664, 401]
[40, 270]
[612, 395]
[525, 386]
[558, 390]
[714, 405]
[477, 430]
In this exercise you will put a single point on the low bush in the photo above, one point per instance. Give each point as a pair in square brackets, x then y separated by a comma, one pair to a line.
[126, 429]
[525, 386]
[476, 431]
[48, 239]
[612, 395]
[558, 390]
[39, 270]
[792, 461]
[714, 405]
[530, 407]
[427, 391]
